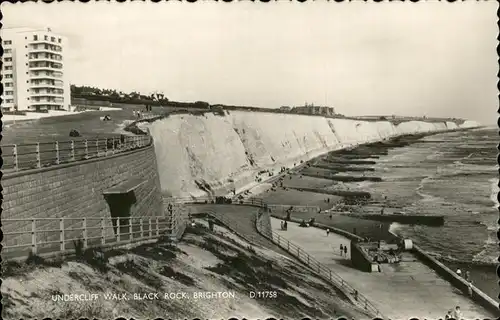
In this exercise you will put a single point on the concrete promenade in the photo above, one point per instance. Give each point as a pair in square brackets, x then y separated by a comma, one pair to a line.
[409, 289]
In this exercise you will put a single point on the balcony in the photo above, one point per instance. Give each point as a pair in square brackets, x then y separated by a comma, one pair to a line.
[42, 103]
[42, 41]
[46, 85]
[50, 68]
[44, 76]
[45, 59]
[44, 68]
[46, 94]
[43, 50]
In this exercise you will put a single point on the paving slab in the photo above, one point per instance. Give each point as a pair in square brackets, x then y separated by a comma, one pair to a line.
[403, 291]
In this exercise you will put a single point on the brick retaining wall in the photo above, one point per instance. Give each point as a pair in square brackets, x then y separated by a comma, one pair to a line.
[75, 190]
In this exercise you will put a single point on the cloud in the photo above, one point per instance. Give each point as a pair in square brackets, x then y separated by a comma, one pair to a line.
[363, 58]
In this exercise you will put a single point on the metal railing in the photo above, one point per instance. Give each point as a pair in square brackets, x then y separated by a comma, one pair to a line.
[315, 265]
[212, 200]
[279, 208]
[227, 224]
[57, 235]
[18, 157]
[288, 246]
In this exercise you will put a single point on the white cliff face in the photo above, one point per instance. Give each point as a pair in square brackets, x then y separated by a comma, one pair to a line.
[469, 124]
[451, 125]
[218, 153]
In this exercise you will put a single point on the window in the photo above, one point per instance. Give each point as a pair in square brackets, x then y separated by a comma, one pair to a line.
[9, 84]
[8, 59]
[59, 40]
[8, 67]
[53, 39]
[46, 46]
[9, 93]
[46, 37]
[7, 42]
[8, 76]
[35, 37]
[9, 100]
[7, 51]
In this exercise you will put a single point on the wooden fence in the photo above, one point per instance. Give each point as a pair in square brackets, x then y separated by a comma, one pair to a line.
[27, 156]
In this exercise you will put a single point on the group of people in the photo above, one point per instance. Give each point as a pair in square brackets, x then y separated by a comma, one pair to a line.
[284, 225]
[343, 250]
[138, 114]
[454, 314]
[466, 278]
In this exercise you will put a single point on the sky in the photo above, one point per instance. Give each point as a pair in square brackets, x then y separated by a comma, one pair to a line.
[426, 58]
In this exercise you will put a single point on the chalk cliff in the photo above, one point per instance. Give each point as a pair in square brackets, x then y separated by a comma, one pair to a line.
[211, 153]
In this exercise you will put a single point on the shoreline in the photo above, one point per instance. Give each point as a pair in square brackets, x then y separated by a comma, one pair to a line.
[481, 274]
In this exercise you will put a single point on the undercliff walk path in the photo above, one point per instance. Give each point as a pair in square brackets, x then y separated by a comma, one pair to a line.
[242, 220]
[409, 289]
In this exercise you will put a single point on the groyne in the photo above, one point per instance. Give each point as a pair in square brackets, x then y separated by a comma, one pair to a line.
[413, 219]
[216, 154]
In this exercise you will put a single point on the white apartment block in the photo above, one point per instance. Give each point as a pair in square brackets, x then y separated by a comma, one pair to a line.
[34, 71]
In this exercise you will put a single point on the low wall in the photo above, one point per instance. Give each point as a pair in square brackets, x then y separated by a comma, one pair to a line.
[321, 270]
[459, 282]
[75, 190]
[347, 234]
[360, 259]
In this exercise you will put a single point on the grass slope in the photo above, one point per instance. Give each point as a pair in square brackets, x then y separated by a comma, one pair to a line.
[201, 262]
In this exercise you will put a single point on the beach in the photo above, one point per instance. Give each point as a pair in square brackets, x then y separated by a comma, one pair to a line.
[453, 178]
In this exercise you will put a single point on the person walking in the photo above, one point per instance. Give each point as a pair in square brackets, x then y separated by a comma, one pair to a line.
[459, 272]
[467, 275]
[449, 315]
[345, 251]
[457, 314]
[327, 232]
[469, 288]
[341, 249]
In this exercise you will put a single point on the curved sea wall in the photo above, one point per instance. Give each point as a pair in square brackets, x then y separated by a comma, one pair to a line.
[215, 154]
[76, 190]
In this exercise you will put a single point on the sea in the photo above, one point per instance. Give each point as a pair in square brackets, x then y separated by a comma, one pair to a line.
[456, 175]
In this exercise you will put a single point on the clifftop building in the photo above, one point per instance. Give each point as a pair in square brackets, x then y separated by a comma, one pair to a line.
[34, 73]
[314, 110]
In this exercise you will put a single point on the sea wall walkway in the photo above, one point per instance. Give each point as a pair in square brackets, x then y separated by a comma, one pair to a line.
[247, 218]
[407, 290]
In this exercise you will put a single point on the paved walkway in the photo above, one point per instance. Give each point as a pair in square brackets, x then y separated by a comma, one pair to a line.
[409, 289]
[242, 220]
